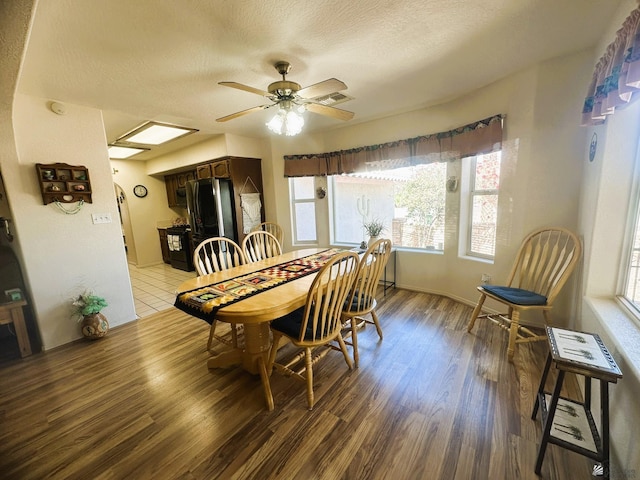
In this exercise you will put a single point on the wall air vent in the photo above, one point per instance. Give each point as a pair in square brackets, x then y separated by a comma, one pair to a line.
[332, 99]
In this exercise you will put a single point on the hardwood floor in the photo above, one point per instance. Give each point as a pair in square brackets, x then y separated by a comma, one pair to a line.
[430, 401]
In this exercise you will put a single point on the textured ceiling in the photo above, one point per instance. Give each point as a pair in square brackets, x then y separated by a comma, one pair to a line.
[162, 59]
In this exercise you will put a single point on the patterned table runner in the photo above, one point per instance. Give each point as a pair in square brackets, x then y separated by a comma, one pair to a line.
[204, 302]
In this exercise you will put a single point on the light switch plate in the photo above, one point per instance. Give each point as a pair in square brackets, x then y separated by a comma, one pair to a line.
[100, 218]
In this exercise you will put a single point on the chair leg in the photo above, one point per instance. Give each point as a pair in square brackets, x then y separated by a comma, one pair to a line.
[476, 312]
[354, 341]
[211, 332]
[547, 317]
[274, 351]
[264, 376]
[513, 334]
[234, 335]
[345, 353]
[308, 365]
[374, 316]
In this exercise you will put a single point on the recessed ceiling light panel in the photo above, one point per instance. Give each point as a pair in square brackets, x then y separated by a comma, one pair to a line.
[119, 153]
[155, 133]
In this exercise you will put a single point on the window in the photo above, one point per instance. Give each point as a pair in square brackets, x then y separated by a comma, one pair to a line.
[631, 290]
[303, 209]
[410, 201]
[482, 209]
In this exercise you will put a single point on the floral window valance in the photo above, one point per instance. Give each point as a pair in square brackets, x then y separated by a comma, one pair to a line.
[617, 74]
[484, 136]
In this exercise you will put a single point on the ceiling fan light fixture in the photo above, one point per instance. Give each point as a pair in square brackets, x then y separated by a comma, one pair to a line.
[287, 121]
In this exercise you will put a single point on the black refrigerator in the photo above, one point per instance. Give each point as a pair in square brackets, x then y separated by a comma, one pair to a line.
[210, 204]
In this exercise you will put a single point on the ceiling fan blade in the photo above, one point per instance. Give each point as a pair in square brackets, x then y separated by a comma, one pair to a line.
[246, 88]
[241, 113]
[323, 88]
[329, 111]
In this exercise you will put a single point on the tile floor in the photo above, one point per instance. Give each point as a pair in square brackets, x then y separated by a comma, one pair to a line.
[154, 287]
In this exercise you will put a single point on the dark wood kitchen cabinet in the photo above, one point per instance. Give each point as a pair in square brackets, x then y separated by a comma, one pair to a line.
[164, 246]
[217, 169]
[174, 182]
[245, 175]
[170, 184]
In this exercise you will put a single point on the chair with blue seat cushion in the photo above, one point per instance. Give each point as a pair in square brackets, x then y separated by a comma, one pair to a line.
[313, 328]
[544, 262]
[361, 301]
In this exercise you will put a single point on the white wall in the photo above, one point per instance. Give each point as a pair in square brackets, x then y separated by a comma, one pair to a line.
[64, 254]
[604, 213]
[145, 213]
[542, 161]
[220, 146]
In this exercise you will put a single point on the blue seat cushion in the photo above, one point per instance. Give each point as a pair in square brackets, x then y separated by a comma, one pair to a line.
[517, 296]
[358, 303]
[291, 324]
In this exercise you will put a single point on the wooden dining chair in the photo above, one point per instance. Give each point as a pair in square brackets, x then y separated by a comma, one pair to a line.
[273, 228]
[217, 254]
[544, 262]
[361, 301]
[259, 245]
[313, 328]
[214, 255]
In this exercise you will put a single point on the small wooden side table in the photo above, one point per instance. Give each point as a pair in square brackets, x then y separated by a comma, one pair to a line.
[12, 313]
[391, 282]
[566, 422]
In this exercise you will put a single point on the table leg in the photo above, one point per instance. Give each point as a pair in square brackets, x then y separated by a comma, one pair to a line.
[604, 415]
[549, 421]
[257, 341]
[225, 359]
[541, 387]
[21, 331]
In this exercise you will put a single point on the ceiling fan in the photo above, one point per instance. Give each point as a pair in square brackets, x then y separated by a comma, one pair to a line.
[289, 95]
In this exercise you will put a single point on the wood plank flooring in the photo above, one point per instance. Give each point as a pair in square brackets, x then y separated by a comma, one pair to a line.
[430, 401]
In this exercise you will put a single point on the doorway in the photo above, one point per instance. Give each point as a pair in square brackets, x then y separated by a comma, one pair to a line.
[125, 224]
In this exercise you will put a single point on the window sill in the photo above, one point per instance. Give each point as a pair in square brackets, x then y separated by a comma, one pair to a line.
[399, 248]
[620, 327]
[487, 261]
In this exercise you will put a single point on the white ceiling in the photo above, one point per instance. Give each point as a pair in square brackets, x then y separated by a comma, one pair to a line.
[162, 59]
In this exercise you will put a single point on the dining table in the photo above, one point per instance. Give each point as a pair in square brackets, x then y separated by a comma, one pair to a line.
[255, 310]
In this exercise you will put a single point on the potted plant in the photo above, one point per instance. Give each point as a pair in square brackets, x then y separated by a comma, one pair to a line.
[374, 228]
[86, 308]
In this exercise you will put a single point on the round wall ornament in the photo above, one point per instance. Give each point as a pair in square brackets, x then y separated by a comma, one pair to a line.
[140, 191]
[593, 147]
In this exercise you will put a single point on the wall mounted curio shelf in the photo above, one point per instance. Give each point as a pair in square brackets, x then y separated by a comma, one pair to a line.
[60, 182]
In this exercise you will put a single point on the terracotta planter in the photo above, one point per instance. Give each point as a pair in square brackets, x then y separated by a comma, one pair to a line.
[94, 326]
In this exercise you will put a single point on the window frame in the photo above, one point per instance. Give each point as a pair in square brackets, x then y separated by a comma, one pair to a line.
[632, 224]
[293, 201]
[468, 195]
[331, 186]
